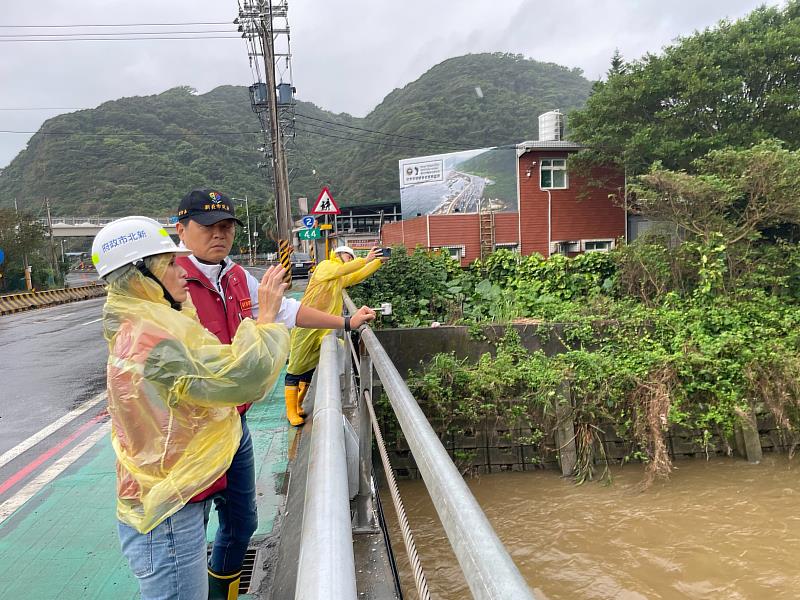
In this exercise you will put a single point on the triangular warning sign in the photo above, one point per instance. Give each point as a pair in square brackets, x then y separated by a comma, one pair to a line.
[325, 204]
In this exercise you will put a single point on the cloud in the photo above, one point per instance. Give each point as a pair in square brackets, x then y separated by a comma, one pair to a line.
[346, 56]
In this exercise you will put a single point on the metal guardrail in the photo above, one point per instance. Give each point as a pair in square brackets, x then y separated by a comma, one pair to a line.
[96, 221]
[487, 567]
[326, 567]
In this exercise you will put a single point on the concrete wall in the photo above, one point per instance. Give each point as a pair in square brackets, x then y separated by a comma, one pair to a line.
[492, 444]
[412, 348]
[12, 303]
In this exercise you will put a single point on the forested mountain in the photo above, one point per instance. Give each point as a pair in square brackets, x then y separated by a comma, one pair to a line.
[141, 154]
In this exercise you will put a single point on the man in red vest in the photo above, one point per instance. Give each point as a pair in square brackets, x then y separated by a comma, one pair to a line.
[224, 294]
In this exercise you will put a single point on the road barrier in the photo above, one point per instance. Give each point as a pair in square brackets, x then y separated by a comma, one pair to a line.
[28, 300]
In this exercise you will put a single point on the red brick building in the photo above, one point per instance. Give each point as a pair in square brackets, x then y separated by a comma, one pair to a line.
[559, 212]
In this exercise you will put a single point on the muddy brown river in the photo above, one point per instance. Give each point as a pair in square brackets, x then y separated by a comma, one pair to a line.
[720, 529]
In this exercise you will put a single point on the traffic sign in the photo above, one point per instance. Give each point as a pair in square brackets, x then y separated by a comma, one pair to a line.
[308, 234]
[325, 204]
[2, 256]
[308, 221]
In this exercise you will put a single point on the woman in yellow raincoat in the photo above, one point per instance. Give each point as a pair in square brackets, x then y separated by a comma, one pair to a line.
[173, 388]
[324, 292]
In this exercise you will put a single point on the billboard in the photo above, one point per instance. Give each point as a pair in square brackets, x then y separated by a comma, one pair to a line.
[459, 182]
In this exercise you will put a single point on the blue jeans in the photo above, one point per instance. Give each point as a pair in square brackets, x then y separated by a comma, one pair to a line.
[236, 510]
[170, 560]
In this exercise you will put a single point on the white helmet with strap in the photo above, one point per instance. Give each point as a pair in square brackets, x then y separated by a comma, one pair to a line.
[124, 241]
[345, 249]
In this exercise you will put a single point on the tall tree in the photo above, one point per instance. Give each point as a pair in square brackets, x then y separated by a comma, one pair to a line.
[735, 193]
[731, 85]
[22, 239]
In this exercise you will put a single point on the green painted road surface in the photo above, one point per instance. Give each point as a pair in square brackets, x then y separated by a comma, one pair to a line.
[62, 544]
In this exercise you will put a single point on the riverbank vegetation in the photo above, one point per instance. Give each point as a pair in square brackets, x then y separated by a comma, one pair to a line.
[695, 327]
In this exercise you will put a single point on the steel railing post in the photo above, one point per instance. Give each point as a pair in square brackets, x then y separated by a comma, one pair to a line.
[364, 501]
[487, 567]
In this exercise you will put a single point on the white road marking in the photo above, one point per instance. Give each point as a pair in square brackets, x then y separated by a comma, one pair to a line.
[56, 317]
[90, 322]
[8, 507]
[54, 426]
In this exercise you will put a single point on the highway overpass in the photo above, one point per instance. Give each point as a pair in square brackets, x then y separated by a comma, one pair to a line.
[89, 226]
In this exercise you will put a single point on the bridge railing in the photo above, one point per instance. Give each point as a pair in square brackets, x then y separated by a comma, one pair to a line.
[326, 567]
[96, 221]
[487, 567]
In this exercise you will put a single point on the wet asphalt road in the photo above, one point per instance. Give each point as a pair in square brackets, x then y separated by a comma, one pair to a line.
[52, 360]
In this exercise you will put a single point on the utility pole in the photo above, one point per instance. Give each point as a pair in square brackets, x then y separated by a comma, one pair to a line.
[255, 238]
[249, 231]
[53, 257]
[257, 21]
[28, 280]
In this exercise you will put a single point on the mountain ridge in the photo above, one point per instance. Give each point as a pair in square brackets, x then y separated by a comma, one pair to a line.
[142, 153]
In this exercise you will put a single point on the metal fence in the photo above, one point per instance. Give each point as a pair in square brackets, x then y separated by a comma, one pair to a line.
[340, 492]
[487, 567]
[326, 568]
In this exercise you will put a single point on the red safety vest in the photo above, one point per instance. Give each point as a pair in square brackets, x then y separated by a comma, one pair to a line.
[221, 314]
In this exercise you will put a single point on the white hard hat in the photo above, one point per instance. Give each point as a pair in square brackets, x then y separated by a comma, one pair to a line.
[346, 249]
[129, 239]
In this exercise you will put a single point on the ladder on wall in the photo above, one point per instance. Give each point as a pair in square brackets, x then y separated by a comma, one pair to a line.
[486, 224]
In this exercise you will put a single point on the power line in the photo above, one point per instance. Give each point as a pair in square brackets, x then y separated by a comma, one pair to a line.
[359, 140]
[113, 33]
[441, 143]
[123, 39]
[49, 108]
[116, 25]
[131, 133]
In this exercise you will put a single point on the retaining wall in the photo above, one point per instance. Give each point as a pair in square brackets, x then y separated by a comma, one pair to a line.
[492, 444]
[12, 303]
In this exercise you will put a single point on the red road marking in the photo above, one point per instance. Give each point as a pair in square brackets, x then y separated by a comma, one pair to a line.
[27, 469]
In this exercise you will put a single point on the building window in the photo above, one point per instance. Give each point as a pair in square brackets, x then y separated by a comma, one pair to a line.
[565, 247]
[597, 245]
[456, 252]
[553, 174]
[513, 246]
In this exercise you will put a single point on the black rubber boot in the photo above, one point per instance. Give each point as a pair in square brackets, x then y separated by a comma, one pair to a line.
[223, 587]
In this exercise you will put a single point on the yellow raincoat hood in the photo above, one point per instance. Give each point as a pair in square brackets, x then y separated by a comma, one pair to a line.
[172, 392]
[324, 292]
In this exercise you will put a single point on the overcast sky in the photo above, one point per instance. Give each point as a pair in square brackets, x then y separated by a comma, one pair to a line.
[347, 55]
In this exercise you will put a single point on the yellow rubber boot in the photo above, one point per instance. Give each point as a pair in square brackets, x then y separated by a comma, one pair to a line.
[301, 395]
[223, 587]
[290, 394]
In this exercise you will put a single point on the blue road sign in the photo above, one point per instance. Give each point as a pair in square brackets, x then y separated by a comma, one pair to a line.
[2, 256]
[173, 220]
[308, 221]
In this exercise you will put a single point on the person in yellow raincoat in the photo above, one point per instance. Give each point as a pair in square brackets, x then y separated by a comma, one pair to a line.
[173, 388]
[324, 292]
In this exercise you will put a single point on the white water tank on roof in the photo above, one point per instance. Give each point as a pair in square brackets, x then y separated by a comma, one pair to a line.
[551, 126]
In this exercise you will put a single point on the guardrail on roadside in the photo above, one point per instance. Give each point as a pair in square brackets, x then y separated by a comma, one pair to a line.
[28, 300]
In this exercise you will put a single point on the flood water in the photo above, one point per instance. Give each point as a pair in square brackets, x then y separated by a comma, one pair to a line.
[721, 529]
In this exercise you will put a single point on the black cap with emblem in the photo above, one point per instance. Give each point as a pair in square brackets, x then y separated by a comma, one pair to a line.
[206, 207]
